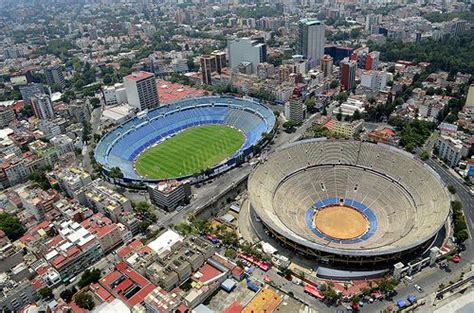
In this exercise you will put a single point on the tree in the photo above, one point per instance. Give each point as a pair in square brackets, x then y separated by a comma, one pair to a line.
[11, 225]
[115, 173]
[452, 189]
[230, 253]
[45, 293]
[67, 294]
[84, 300]
[310, 105]
[339, 115]
[357, 115]
[289, 126]
[88, 277]
[334, 84]
[425, 155]
[95, 102]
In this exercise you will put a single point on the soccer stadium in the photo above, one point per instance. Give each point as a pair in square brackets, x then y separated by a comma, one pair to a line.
[185, 138]
[349, 202]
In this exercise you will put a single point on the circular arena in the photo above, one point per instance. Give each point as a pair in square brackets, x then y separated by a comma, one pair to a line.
[219, 130]
[349, 202]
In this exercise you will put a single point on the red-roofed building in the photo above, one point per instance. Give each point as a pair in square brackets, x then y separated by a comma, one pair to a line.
[207, 274]
[109, 234]
[170, 92]
[126, 284]
[235, 307]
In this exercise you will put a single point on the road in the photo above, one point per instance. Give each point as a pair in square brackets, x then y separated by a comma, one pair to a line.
[95, 123]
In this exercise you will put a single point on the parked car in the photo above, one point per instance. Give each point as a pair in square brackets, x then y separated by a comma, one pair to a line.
[417, 287]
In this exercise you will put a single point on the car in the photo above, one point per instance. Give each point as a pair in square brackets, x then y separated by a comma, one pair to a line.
[417, 287]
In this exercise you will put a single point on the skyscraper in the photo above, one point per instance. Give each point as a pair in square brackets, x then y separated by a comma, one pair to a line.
[42, 106]
[208, 65]
[311, 39]
[247, 50]
[54, 76]
[141, 90]
[212, 63]
[348, 73]
[326, 65]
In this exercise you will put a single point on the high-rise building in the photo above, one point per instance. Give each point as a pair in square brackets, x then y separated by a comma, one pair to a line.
[371, 21]
[372, 60]
[221, 60]
[311, 39]
[294, 110]
[42, 106]
[247, 50]
[141, 90]
[208, 65]
[348, 72]
[54, 76]
[326, 65]
[28, 91]
[6, 114]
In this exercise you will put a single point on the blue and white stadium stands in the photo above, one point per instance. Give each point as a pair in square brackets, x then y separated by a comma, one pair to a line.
[121, 146]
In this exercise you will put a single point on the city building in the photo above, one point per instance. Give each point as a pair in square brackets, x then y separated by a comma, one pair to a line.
[311, 40]
[372, 61]
[7, 114]
[350, 106]
[169, 194]
[159, 301]
[72, 250]
[125, 284]
[374, 80]
[246, 50]
[115, 94]
[141, 90]
[54, 76]
[326, 65]
[28, 91]
[72, 179]
[15, 295]
[107, 201]
[110, 235]
[36, 201]
[63, 143]
[42, 106]
[338, 53]
[344, 129]
[208, 65]
[294, 110]
[451, 150]
[348, 70]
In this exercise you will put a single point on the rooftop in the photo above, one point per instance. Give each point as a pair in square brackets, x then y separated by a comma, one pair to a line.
[137, 76]
[170, 92]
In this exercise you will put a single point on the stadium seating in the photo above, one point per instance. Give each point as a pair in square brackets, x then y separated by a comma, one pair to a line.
[121, 146]
[403, 199]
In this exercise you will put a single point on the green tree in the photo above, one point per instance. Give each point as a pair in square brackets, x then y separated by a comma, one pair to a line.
[11, 226]
[115, 173]
[88, 277]
[84, 300]
[310, 105]
[67, 294]
[452, 189]
[425, 155]
[334, 84]
[45, 293]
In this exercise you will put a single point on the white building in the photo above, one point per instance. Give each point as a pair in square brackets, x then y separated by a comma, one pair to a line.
[351, 105]
[42, 106]
[451, 150]
[141, 90]
[311, 39]
[64, 143]
[115, 94]
[246, 50]
[374, 80]
[294, 111]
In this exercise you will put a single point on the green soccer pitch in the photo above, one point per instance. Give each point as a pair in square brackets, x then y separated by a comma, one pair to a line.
[190, 151]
